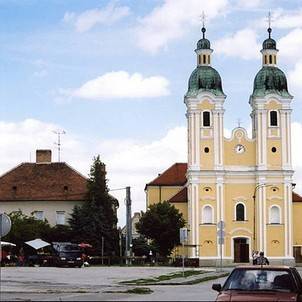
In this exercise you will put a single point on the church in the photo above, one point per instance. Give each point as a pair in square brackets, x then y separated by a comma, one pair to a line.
[245, 182]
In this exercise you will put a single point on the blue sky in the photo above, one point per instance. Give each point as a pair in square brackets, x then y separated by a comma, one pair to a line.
[112, 74]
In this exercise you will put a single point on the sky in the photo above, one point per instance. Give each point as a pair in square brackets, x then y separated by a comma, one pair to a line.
[112, 75]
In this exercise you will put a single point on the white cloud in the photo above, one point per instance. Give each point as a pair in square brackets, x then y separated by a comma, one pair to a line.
[295, 79]
[291, 44]
[172, 19]
[284, 19]
[90, 18]
[242, 44]
[248, 4]
[120, 84]
[296, 154]
[128, 162]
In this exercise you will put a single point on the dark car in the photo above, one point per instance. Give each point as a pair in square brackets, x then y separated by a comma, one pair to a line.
[67, 254]
[261, 283]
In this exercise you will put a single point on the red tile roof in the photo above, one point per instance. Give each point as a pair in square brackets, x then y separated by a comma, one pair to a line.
[181, 196]
[173, 176]
[297, 197]
[42, 182]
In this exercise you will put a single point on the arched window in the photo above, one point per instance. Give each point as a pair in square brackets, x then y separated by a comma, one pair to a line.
[240, 209]
[273, 118]
[199, 59]
[270, 59]
[207, 214]
[275, 215]
[209, 59]
[275, 60]
[206, 119]
[265, 60]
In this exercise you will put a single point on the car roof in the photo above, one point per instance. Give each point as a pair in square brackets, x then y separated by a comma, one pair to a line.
[264, 267]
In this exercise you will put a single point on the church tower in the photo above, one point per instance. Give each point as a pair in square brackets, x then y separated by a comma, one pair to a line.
[271, 124]
[204, 100]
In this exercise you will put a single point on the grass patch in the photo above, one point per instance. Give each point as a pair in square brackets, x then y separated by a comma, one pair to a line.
[204, 279]
[146, 281]
[136, 290]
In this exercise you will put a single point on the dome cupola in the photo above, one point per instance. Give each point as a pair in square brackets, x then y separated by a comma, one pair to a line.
[204, 77]
[270, 79]
[203, 43]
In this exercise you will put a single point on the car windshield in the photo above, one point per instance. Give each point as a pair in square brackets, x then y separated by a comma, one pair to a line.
[260, 280]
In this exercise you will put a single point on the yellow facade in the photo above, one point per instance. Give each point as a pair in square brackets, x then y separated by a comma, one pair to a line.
[243, 180]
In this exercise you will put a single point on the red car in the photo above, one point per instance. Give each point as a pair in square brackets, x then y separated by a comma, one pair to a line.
[261, 283]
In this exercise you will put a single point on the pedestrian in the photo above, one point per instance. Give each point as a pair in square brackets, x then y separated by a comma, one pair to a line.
[21, 257]
[255, 255]
[261, 260]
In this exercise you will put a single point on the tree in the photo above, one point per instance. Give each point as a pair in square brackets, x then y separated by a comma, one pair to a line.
[161, 224]
[96, 218]
[141, 247]
[25, 228]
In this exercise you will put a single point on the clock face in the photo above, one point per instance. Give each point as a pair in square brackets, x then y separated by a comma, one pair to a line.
[240, 149]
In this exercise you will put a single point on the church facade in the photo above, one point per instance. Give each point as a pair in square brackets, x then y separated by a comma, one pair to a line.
[246, 182]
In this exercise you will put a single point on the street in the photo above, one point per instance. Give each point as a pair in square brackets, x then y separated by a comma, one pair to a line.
[95, 283]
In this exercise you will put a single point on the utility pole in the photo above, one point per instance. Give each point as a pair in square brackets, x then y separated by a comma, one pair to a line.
[102, 250]
[58, 143]
[128, 226]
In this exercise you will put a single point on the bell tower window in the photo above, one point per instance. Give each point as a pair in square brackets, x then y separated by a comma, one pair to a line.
[206, 122]
[273, 118]
[204, 59]
[270, 59]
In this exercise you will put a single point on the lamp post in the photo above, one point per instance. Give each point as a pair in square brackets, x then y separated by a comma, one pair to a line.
[254, 218]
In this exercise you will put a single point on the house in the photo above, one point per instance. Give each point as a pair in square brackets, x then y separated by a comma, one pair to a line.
[48, 190]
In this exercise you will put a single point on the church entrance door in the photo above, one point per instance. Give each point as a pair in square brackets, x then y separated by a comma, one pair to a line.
[241, 250]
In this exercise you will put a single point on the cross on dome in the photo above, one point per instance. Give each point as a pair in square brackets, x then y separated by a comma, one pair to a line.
[203, 18]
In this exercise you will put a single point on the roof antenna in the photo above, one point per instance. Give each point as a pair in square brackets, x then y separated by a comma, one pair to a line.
[58, 143]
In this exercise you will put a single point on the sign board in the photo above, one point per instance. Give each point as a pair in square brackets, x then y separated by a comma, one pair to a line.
[221, 224]
[183, 235]
[221, 233]
[5, 225]
[220, 240]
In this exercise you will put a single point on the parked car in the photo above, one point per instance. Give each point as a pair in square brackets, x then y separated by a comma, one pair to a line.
[67, 254]
[261, 283]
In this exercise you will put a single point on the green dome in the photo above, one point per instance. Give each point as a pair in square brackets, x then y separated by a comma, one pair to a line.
[269, 44]
[203, 44]
[270, 80]
[205, 78]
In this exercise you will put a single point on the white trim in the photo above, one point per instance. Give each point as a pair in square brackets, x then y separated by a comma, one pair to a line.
[202, 126]
[235, 211]
[285, 220]
[269, 119]
[202, 214]
[241, 229]
[270, 215]
[248, 242]
[239, 129]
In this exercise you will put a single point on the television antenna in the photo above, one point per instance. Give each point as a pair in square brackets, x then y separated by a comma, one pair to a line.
[58, 143]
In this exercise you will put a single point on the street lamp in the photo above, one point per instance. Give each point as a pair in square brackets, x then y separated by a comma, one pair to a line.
[254, 218]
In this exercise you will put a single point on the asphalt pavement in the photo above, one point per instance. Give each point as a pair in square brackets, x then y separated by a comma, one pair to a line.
[96, 283]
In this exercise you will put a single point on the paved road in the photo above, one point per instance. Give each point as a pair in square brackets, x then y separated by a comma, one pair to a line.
[69, 284]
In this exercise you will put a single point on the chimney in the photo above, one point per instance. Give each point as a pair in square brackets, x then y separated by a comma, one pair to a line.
[43, 156]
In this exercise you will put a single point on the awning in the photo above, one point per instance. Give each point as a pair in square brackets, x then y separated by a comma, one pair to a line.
[4, 243]
[37, 243]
